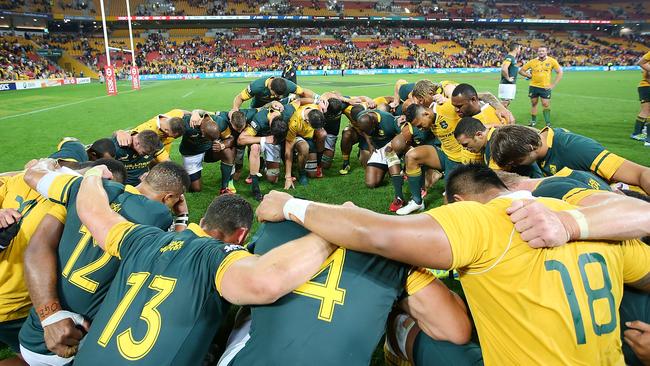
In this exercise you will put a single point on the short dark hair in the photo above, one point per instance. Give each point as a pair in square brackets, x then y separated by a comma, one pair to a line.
[513, 46]
[279, 86]
[227, 213]
[468, 126]
[149, 140]
[116, 168]
[471, 179]
[412, 112]
[365, 123]
[278, 129]
[316, 118]
[334, 108]
[103, 146]
[354, 112]
[510, 144]
[168, 177]
[238, 120]
[177, 126]
[465, 90]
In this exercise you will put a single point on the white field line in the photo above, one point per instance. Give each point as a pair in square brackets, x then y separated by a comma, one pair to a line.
[188, 94]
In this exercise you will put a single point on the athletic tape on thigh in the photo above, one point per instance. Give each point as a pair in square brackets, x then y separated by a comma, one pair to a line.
[311, 165]
[274, 172]
[327, 159]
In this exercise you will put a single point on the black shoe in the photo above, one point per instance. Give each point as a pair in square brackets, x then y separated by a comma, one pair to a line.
[258, 196]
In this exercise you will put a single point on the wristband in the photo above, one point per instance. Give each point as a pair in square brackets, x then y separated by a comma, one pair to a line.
[581, 220]
[48, 309]
[297, 208]
[44, 183]
[262, 143]
[316, 98]
[182, 219]
[77, 319]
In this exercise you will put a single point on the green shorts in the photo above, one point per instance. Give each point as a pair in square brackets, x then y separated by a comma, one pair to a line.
[446, 165]
[9, 333]
[427, 351]
[634, 306]
[534, 92]
[644, 94]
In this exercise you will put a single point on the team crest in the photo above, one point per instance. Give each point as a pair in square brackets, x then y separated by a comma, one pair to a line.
[444, 124]
[553, 169]
[593, 184]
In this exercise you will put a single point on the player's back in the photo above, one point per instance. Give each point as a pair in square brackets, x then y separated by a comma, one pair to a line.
[163, 307]
[337, 318]
[562, 299]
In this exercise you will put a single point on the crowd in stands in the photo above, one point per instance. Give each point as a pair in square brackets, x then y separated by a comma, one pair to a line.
[18, 62]
[37, 6]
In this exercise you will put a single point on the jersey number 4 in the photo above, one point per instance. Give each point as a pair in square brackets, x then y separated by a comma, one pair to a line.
[130, 348]
[329, 293]
[593, 295]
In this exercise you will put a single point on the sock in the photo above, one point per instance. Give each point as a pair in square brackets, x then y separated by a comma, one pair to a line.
[638, 125]
[415, 184]
[302, 173]
[346, 160]
[397, 185]
[533, 118]
[226, 170]
[319, 158]
[547, 116]
[256, 183]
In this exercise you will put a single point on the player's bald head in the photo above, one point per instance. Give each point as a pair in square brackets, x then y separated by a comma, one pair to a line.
[366, 122]
[209, 128]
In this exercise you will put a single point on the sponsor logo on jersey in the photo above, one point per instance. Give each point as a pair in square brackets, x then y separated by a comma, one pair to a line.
[174, 245]
[231, 247]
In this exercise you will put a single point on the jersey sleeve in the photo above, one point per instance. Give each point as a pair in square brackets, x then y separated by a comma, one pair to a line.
[526, 66]
[636, 260]
[293, 88]
[126, 235]
[292, 131]
[57, 211]
[250, 130]
[225, 255]
[590, 155]
[176, 113]
[556, 65]
[3, 188]
[149, 125]
[62, 185]
[507, 61]
[575, 195]
[247, 93]
[161, 155]
[555, 188]
[141, 210]
[463, 223]
[418, 278]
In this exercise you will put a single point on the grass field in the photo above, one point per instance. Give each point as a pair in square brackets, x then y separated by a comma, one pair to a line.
[601, 105]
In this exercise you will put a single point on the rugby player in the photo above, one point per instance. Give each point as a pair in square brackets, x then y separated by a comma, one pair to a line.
[443, 119]
[70, 298]
[265, 90]
[71, 152]
[142, 149]
[509, 71]
[182, 284]
[345, 305]
[539, 71]
[168, 126]
[644, 98]
[477, 238]
[555, 148]
[305, 134]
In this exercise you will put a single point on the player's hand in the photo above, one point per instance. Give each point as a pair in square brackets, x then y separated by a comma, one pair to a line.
[401, 120]
[272, 206]
[105, 173]
[9, 216]
[123, 138]
[505, 115]
[270, 140]
[537, 225]
[637, 336]
[218, 146]
[511, 79]
[195, 119]
[394, 104]
[371, 104]
[439, 99]
[323, 104]
[31, 163]
[181, 206]
[63, 337]
[288, 182]
[277, 106]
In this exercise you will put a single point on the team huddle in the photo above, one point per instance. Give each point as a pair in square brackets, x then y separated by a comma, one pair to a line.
[547, 230]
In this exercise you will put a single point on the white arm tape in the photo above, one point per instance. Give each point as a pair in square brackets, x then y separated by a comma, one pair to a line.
[44, 184]
[60, 315]
[262, 143]
[582, 222]
[297, 208]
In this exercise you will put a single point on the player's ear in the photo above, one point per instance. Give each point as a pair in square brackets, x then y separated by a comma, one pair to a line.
[458, 198]
[236, 237]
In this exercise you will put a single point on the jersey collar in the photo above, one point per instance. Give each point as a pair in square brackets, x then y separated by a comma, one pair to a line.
[131, 189]
[196, 229]
[549, 136]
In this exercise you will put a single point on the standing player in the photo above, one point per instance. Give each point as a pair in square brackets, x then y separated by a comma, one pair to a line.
[509, 70]
[555, 148]
[266, 90]
[539, 71]
[289, 71]
[644, 98]
[345, 306]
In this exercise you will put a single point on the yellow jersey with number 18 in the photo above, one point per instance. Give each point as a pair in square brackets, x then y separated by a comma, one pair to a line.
[556, 306]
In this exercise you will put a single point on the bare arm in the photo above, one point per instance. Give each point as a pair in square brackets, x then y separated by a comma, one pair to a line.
[489, 98]
[288, 164]
[307, 93]
[417, 239]
[237, 102]
[94, 209]
[440, 313]
[246, 139]
[504, 71]
[264, 279]
[558, 76]
[523, 72]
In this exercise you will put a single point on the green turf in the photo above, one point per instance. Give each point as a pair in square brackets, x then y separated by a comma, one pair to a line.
[601, 105]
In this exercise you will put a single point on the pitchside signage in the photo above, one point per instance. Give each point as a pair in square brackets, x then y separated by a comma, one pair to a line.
[111, 83]
[7, 87]
[135, 78]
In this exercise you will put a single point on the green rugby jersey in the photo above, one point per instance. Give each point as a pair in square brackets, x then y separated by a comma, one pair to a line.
[70, 149]
[260, 91]
[569, 150]
[193, 142]
[513, 70]
[570, 185]
[333, 121]
[404, 91]
[386, 130]
[337, 318]
[135, 164]
[163, 307]
[421, 137]
[86, 271]
[531, 171]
